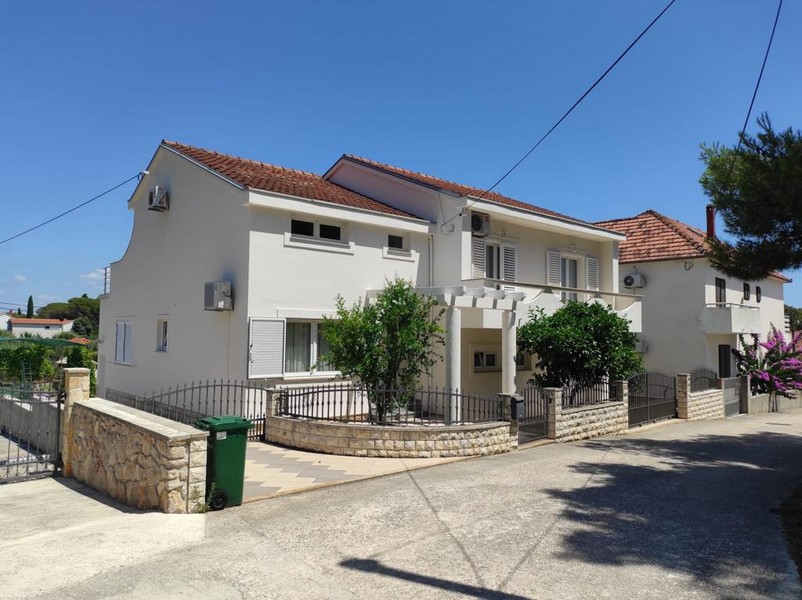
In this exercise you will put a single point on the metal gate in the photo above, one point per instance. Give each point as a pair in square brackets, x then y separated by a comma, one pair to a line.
[652, 397]
[29, 433]
[534, 424]
[732, 396]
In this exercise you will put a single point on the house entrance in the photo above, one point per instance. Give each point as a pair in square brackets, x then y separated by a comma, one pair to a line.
[652, 397]
[534, 424]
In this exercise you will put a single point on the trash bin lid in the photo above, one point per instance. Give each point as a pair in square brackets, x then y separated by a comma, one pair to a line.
[223, 423]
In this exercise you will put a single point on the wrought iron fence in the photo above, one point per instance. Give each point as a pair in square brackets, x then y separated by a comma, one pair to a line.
[575, 394]
[29, 432]
[703, 378]
[349, 403]
[190, 402]
[732, 396]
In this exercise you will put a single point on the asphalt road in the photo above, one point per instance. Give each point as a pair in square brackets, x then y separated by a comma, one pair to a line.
[682, 510]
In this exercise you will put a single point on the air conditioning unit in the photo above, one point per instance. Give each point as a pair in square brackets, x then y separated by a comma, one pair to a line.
[158, 199]
[634, 280]
[480, 224]
[217, 296]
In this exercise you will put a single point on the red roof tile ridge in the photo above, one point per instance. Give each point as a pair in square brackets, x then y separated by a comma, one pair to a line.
[410, 172]
[179, 146]
[681, 229]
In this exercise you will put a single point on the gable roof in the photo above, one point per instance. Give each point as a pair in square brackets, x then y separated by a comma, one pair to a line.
[271, 178]
[652, 236]
[463, 190]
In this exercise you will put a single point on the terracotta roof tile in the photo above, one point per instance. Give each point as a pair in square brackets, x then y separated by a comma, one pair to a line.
[271, 178]
[463, 190]
[23, 321]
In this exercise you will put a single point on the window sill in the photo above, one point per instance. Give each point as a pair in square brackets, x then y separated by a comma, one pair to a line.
[396, 254]
[311, 375]
[122, 364]
[310, 243]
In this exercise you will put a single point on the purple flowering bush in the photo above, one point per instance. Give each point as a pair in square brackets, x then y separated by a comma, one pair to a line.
[775, 366]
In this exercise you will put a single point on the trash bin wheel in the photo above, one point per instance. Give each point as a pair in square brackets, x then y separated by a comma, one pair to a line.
[218, 500]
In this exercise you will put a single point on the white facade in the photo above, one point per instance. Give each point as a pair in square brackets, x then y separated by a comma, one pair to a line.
[684, 324]
[286, 272]
[43, 328]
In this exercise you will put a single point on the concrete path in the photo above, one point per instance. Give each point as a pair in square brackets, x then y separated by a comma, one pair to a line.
[677, 511]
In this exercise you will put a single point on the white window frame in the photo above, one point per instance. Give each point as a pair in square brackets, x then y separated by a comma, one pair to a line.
[124, 348]
[315, 242]
[589, 265]
[162, 332]
[495, 350]
[505, 259]
[279, 327]
[404, 253]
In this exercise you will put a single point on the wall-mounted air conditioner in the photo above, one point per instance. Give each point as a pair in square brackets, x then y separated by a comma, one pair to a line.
[218, 296]
[634, 280]
[158, 199]
[480, 224]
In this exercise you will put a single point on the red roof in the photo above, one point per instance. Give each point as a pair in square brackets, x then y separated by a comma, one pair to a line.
[462, 190]
[23, 321]
[652, 236]
[271, 178]
[81, 340]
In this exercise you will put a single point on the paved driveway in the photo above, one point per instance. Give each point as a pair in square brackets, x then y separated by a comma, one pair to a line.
[677, 511]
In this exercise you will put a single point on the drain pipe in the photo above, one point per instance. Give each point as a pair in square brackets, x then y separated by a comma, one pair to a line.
[431, 260]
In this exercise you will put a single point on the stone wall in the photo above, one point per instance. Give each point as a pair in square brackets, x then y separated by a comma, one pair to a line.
[391, 441]
[585, 422]
[146, 461]
[698, 406]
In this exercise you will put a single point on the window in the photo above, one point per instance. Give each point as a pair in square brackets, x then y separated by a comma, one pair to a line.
[569, 267]
[124, 343]
[721, 291]
[279, 347]
[724, 361]
[311, 229]
[161, 335]
[758, 293]
[565, 270]
[747, 291]
[396, 242]
[493, 260]
[486, 361]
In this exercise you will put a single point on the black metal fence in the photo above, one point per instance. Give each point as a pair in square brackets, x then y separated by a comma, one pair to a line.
[29, 432]
[702, 379]
[652, 397]
[575, 394]
[732, 396]
[190, 402]
[533, 424]
[349, 403]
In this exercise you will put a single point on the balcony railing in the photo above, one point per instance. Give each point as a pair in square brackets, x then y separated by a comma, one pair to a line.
[552, 297]
[727, 318]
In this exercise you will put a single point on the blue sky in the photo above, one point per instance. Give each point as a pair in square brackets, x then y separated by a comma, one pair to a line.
[456, 88]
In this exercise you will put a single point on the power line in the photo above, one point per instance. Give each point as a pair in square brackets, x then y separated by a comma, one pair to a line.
[760, 76]
[74, 208]
[569, 111]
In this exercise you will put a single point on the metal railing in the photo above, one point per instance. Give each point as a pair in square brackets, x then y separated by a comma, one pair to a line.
[703, 378]
[29, 433]
[349, 403]
[575, 394]
[190, 402]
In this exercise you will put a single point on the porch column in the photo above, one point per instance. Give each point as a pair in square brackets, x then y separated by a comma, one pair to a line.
[453, 359]
[509, 348]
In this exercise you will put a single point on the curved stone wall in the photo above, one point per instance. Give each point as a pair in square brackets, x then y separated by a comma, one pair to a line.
[391, 441]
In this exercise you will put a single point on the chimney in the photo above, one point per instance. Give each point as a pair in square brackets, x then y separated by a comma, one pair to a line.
[711, 221]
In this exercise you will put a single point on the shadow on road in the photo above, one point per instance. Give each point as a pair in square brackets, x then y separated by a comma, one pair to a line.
[702, 509]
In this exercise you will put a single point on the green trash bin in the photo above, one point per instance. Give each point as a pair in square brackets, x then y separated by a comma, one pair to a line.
[225, 459]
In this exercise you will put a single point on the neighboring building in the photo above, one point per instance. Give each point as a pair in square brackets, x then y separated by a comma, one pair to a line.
[44, 328]
[692, 314]
[5, 321]
[285, 243]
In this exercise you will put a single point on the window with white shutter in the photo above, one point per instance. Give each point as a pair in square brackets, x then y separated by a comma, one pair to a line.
[553, 268]
[478, 257]
[592, 273]
[509, 264]
[124, 343]
[266, 351]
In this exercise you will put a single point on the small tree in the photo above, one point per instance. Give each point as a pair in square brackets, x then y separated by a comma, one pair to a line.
[774, 366]
[29, 311]
[580, 343]
[387, 344]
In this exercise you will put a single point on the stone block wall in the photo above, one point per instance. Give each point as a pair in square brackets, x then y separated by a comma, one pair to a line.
[698, 406]
[390, 441]
[585, 422]
[145, 461]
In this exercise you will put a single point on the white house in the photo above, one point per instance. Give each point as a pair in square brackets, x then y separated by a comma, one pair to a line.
[282, 244]
[44, 328]
[692, 314]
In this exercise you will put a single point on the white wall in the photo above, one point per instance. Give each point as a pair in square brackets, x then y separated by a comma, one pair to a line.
[43, 331]
[202, 237]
